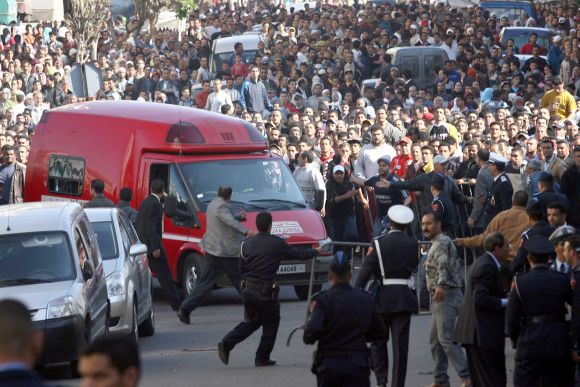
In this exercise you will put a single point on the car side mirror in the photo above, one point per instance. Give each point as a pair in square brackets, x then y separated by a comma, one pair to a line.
[137, 249]
[87, 272]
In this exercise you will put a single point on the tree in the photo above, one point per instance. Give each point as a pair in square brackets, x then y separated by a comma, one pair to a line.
[147, 10]
[85, 21]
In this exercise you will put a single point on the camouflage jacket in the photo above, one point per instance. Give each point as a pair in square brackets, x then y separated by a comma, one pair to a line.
[442, 265]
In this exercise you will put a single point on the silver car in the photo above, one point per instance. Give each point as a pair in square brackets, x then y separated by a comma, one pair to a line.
[127, 271]
[50, 261]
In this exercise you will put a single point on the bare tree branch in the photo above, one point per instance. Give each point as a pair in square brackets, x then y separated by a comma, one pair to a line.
[86, 19]
[148, 10]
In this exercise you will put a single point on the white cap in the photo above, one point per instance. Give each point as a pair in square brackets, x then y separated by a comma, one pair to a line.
[439, 159]
[413, 26]
[557, 38]
[400, 214]
[562, 20]
[470, 30]
[496, 158]
[450, 31]
[338, 168]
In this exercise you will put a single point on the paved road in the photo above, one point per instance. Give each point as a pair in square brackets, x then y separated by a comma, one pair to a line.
[184, 356]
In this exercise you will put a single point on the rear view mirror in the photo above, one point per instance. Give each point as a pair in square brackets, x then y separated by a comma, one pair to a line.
[137, 249]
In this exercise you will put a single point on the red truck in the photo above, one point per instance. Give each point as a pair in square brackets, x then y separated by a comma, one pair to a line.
[129, 144]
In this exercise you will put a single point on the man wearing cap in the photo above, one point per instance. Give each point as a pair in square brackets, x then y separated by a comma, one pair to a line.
[342, 320]
[555, 55]
[499, 197]
[558, 238]
[261, 255]
[547, 194]
[444, 283]
[396, 300]
[340, 195]
[385, 197]
[400, 162]
[481, 322]
[536, 311]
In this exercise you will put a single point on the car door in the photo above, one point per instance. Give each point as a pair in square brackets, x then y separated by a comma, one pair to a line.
[140, 265]
[96, 295]
[410, 61]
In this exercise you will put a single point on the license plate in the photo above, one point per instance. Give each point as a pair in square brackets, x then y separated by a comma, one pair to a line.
[291, 269]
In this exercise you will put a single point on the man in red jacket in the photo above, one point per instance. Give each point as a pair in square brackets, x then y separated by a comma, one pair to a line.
[400, 162]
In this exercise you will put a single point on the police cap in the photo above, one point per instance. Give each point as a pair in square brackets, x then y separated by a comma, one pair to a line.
[497, 159]
[340, 264]
[400, 214]
[539, 245]
[562, 233]
[439, 159]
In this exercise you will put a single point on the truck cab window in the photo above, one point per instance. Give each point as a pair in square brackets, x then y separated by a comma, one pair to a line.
[177, 190]
[66, 175]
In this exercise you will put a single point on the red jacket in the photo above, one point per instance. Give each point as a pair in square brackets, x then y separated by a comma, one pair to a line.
[399, 165]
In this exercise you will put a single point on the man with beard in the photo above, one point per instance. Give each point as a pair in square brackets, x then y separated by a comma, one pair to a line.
[366, 164]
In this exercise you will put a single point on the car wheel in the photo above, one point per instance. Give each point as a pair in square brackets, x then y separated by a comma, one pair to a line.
[134, 335]
[302, 291]
[193, 268]
[147, 327]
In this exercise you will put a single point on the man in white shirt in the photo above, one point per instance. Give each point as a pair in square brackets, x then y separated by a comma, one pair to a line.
[218, 98]
[310, 180]
[366, 164]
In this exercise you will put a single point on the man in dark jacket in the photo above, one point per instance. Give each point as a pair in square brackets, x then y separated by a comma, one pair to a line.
[396, 299]
[124, 204]
[98, 197]
[570, 186]
[481, 321]
[149, 229]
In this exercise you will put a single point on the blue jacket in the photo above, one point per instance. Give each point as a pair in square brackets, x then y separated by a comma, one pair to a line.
[555, 58]
[254, 97]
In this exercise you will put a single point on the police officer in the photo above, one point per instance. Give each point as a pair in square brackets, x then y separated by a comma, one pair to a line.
[501, 192]
[572, 253]
[547, 194]
[261, 255]
[396, 300]
[342, 320]
[536, 319]
[538, 227]
[558, 238]
[442, 205]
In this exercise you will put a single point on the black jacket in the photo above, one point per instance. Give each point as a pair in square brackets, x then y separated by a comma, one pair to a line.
[344, 319]
[570, 186]
[541, 292]
[500, 197]
[262, 253]
[400, 258]
[149, 221]
[99, 200]
[481, 320]
[20, 378]
[520, 262]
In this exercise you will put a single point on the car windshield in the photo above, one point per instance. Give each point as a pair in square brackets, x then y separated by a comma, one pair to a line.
[522, 37]
[256, 183]
[250, 56]
[35, 258]
[511, 13]
[106, 238]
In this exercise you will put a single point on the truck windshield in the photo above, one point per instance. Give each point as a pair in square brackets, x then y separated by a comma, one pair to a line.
[35, 258]
[256, 183]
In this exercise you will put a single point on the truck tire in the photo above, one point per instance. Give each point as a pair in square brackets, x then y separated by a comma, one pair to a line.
[302, 291]
[193, 268]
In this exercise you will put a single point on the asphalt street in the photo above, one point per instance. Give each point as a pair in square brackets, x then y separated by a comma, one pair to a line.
[184, 356]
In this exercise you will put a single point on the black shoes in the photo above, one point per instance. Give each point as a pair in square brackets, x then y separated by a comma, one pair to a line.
[223, 353]
[183, 316]
[265, 363]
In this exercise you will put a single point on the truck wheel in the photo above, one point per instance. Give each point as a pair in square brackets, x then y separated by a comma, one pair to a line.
[302, 291]
[193, 268]
[147, 327]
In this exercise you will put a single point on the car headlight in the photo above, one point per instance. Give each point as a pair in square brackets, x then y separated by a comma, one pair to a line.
[61, 307]
[326, 246]
[116, 284]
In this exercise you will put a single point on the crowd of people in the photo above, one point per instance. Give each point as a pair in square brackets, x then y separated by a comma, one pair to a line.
[489, 145]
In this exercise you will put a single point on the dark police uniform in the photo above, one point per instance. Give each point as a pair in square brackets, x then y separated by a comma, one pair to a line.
[395, 301]
[261, 255]
[547, 197]
[536, 319]
[499, 198]
[520, 262]
[575, 322]
[343, 319]
[443, 207]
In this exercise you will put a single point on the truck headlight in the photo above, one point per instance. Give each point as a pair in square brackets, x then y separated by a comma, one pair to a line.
[61, 307]
[326, 246]
[116, 284]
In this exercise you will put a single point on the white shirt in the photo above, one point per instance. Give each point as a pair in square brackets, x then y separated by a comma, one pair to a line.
[310, 180]
[366, 164]
[215, 101]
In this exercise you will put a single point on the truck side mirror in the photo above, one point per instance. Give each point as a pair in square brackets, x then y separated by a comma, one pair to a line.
[87, 272]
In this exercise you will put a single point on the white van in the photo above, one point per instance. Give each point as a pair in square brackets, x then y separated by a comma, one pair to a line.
[223, 49]
[50, 261]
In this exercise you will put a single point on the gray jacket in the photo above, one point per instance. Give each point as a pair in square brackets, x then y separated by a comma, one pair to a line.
[128, 210]
[482, 187]
[224, 233]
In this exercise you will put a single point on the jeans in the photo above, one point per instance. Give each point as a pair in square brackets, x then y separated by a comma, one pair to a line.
[344, 229]
[443, 349]
[216, 267]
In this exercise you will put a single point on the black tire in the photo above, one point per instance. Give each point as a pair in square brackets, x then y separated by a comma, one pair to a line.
[302, 291]
[193, 268]
[147, 327]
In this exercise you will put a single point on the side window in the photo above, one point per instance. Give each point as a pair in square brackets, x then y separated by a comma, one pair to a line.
[124, 236]
[410, 63]
[178, 190]
[66, 175]
[129, 228]
[82, 251]
[91, 240]
[432, 64]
